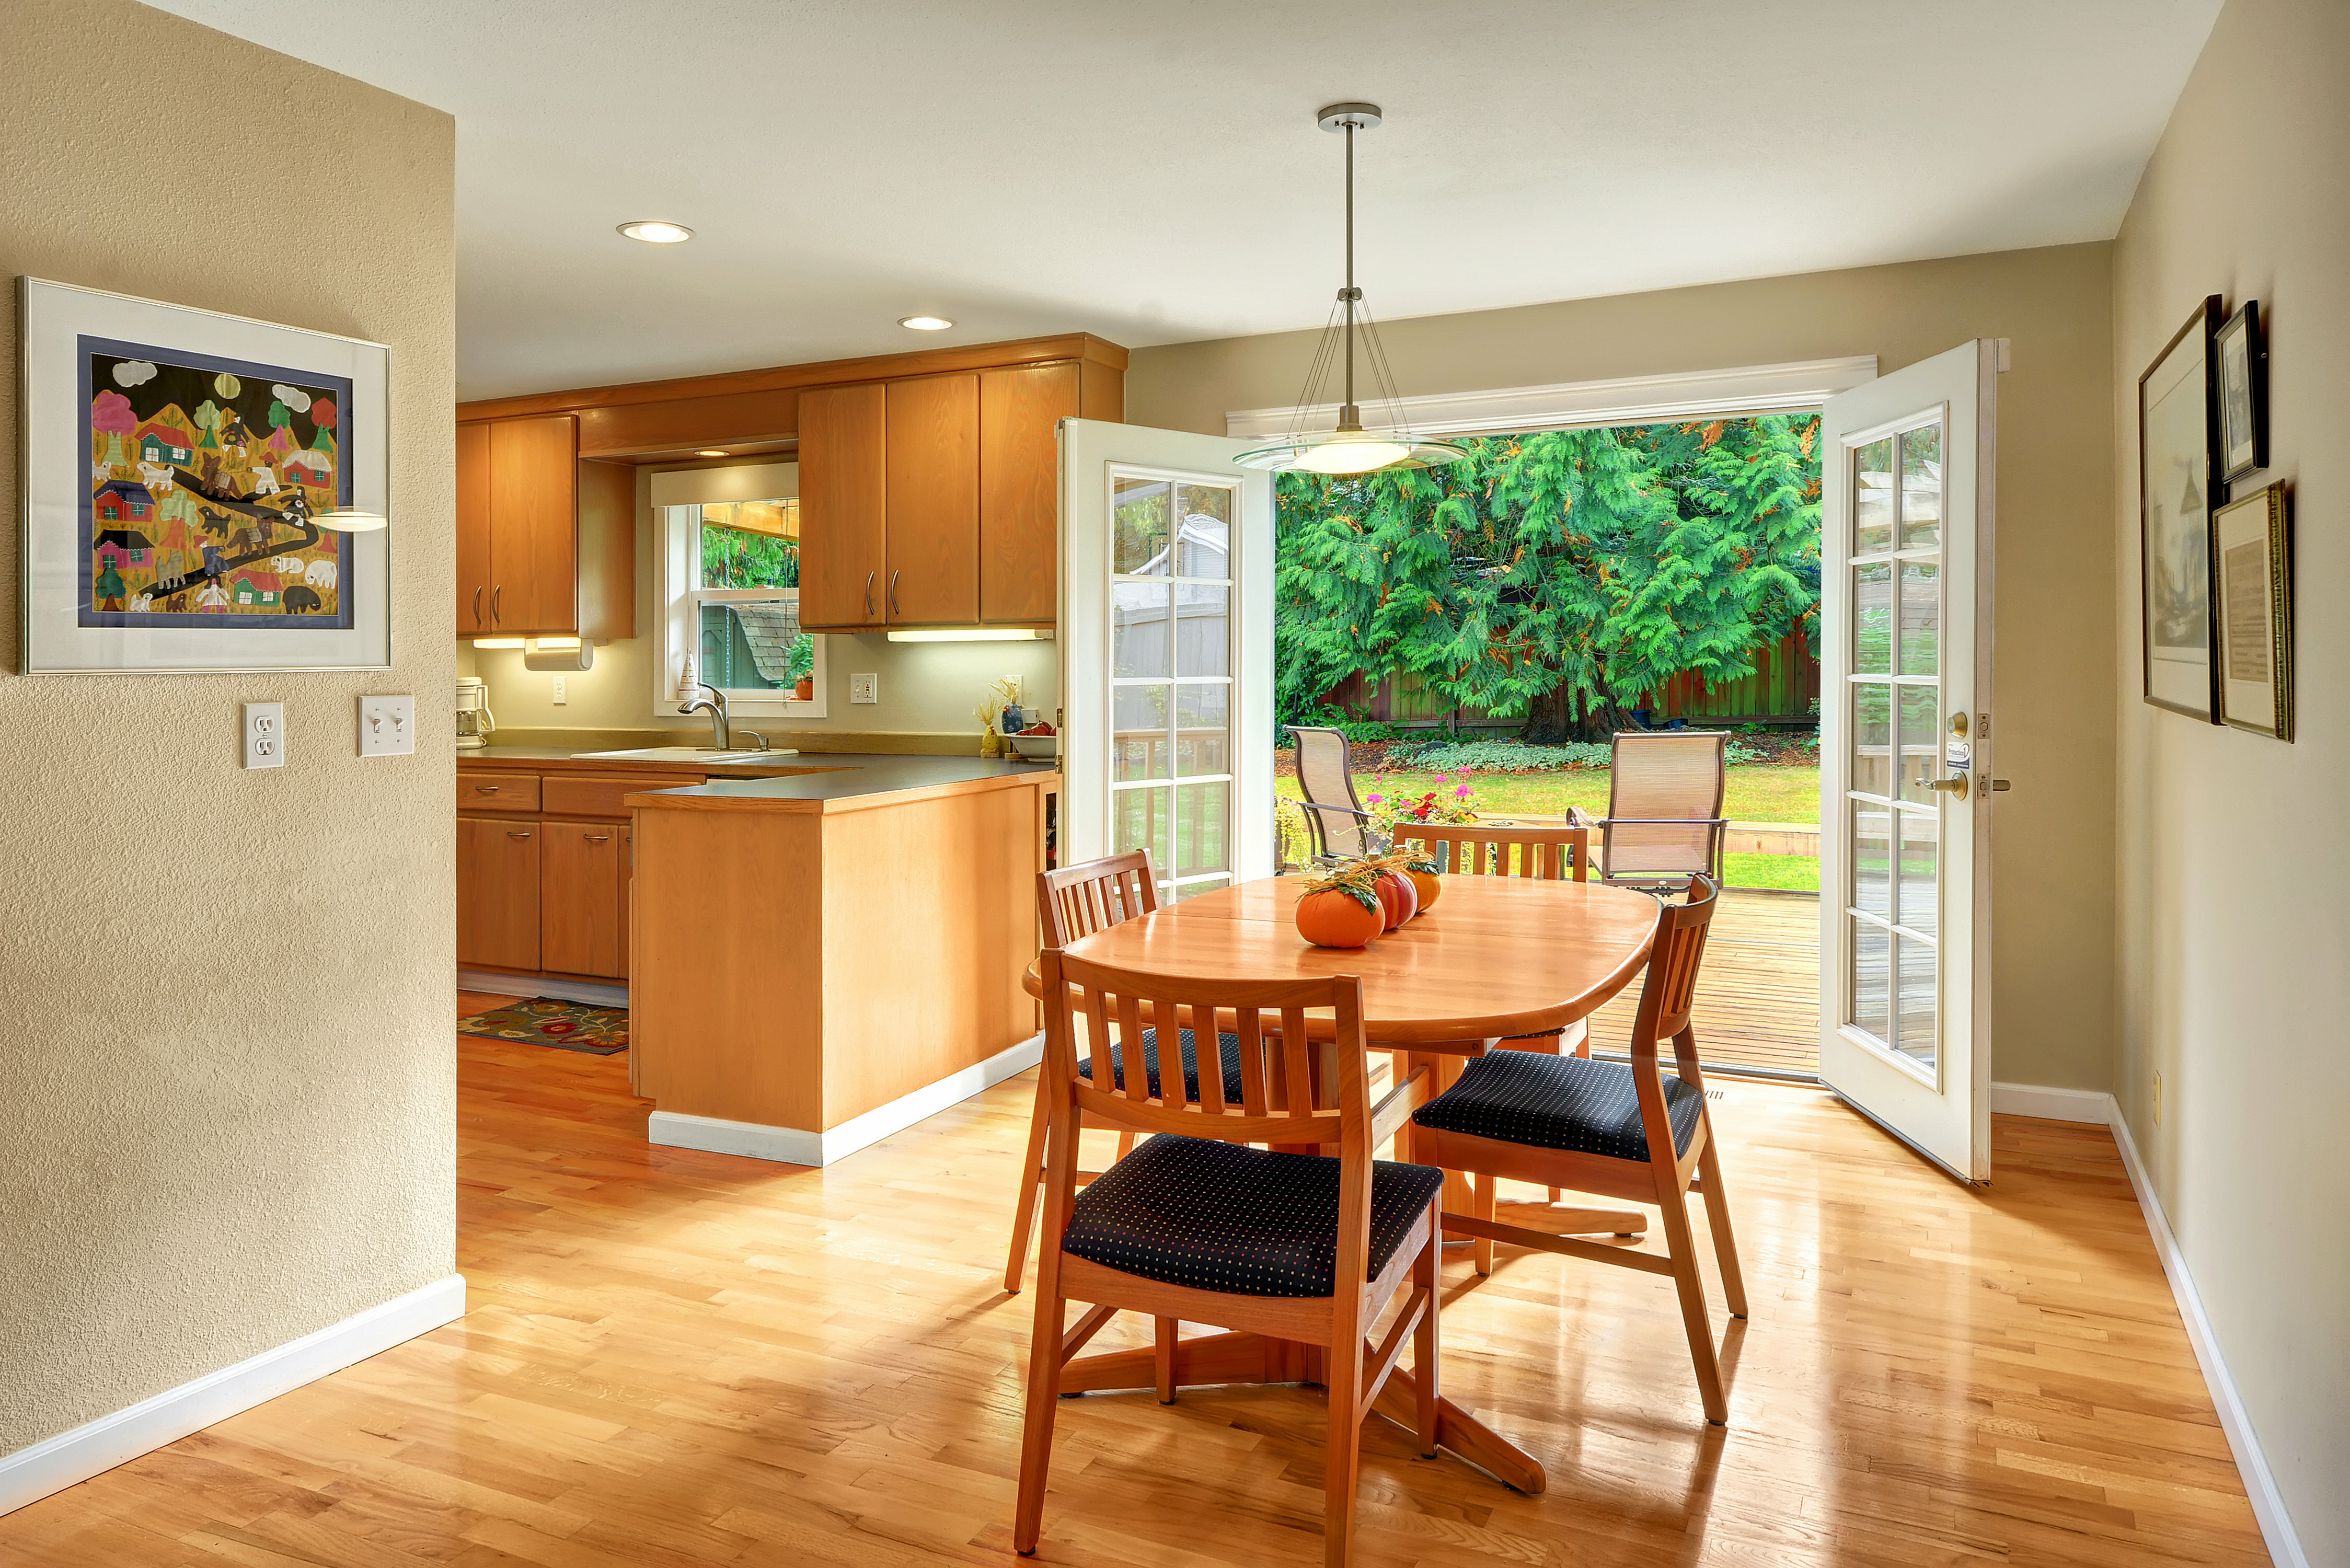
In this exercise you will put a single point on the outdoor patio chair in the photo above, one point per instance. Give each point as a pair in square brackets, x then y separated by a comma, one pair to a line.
[1664, 822]
[1336, 821]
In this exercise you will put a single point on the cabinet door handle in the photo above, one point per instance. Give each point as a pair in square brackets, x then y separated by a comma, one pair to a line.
[597, 837]
[893, 593]
[477, 604]
[510, 834]
[495, 593]
[487, 789]
[868, 596]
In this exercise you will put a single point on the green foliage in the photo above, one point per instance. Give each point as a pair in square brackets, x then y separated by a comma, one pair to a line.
[1553, 573]
[738, 559]
[1518, 757]
[803, 659]
[1357, 731]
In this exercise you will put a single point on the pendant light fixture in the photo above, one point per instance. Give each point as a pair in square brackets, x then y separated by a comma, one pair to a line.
[1350, 449]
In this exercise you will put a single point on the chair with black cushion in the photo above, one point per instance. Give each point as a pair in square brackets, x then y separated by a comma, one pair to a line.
[1336, 821]
[1304, 1243]
[1627, 1130]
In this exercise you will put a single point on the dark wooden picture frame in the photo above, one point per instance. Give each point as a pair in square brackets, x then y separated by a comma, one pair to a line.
[2179, 444]
[2252, 547]
[2240, 364]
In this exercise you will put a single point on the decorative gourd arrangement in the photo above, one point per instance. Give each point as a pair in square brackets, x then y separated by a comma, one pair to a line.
[1354, 902]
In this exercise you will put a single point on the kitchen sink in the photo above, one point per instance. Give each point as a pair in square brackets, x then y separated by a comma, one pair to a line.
[685, 754]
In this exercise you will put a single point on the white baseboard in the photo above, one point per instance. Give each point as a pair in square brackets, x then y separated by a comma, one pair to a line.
[797, 1145]
[586, 991]
[2096, 1106]
[55, 1463]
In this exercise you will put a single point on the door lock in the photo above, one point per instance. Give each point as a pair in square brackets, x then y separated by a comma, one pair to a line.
[2000, 786]
[1952, 786]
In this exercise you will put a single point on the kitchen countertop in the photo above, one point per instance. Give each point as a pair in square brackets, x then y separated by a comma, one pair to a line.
[809, 781]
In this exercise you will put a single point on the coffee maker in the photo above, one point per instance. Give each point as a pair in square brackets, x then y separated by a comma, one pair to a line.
[473, 720]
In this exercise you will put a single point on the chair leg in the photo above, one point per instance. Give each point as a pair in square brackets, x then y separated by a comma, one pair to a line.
[1342, 1376]
[1680, 1244]
[1036, 1425]
[1428, 1275]
[1032, 1182]
[1717, 1215]
[1488, 1199]
[1164, 1356]
[1124, 1144]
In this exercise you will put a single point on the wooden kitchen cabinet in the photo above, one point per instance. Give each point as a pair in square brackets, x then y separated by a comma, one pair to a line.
[498, 892]
[583, 897]
[844, 488]
[1020, 408]
[546, 542]
[932, 527]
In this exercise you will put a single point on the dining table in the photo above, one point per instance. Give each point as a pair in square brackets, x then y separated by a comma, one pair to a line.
[1492, 959]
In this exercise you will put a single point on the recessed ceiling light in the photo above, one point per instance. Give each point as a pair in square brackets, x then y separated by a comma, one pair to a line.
[711, 452]
[655, 232]
[925, 323]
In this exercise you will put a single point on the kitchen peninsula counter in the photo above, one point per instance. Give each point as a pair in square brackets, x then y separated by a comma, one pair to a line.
[823, 956]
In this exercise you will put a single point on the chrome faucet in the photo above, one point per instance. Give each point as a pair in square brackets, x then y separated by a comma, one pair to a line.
[715, 704]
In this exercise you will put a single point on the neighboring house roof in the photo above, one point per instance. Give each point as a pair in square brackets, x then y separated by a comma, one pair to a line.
[124, 539]
[769, 628]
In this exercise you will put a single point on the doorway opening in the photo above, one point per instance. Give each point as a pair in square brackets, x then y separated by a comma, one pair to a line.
[1479, 631]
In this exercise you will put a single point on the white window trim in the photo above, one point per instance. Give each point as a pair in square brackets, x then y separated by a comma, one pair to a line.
[677, 543]
[1796, 387]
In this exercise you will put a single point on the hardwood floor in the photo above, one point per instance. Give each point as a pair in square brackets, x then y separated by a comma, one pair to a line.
[677, 1359]
[1759, 996]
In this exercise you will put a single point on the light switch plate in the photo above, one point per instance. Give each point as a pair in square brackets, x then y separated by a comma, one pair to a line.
[265, 735]
[865, 688]
[386, 726]
[561, 696]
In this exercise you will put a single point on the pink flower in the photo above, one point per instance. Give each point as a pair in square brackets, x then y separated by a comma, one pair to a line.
[1373, 799]
[1461, 793]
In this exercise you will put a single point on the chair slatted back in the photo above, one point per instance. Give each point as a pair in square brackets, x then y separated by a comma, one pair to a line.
[1078, 900]
[1664, 803]
[1494, 849]
[1675, 954]
[1325, 772]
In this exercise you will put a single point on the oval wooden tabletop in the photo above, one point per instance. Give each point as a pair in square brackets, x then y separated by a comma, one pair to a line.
[1495, 956]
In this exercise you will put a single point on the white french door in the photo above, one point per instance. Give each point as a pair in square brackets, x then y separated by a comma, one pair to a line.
[1166, 645]
[1905, 529]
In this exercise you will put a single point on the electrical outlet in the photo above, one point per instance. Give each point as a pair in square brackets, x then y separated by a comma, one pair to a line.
[386, 726]
[265, 735]
[560, 699]
[865, 688]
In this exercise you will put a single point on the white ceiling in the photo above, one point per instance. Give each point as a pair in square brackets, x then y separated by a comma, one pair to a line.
[1152, 171]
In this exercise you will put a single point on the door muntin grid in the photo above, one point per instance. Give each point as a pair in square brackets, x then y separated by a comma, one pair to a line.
[1171, 744]
[1895, 724]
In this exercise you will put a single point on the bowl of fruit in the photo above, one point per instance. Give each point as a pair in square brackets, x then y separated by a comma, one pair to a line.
[1039, 742]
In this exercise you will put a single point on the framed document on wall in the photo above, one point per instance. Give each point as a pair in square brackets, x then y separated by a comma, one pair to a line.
[2252, 542]
[2178, 428]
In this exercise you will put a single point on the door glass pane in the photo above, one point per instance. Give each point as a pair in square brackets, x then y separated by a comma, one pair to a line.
[1872, 979]
[1138, 742]
[1872, 856]
[1920, 861]
[1144, 818]
[1872, 738]
[1139, 522]
[1922, 618]
[1921, 488]
[1204, 543]
[1202, 732]
[1872, 498]
[1199, 811]
[1913, 993]
[1139, 629]
[1921, 743]
[1202, 629]
[1872, 640]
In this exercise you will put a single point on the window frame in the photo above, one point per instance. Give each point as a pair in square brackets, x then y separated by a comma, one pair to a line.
[678, 556]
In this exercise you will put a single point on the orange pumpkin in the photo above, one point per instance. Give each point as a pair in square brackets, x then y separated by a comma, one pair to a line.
[1399, 900]
[1337, 920]
[1428, 886]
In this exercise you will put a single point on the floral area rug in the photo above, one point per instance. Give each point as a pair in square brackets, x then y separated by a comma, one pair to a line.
[544, 1021]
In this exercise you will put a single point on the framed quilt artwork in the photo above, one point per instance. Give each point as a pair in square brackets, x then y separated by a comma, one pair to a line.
[202, 492]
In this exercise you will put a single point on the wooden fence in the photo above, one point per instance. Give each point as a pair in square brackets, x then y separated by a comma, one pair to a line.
[1784, 688]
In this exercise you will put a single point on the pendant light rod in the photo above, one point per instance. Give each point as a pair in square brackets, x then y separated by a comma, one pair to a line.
[1349, 118]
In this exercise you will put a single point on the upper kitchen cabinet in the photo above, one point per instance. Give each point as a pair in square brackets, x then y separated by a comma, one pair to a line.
[933, 507]
[546, 542]
[844, 483]
[1020, 408]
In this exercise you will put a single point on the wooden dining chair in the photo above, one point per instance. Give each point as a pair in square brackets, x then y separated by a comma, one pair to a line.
[1306, 1240]
[1624, 1130]
[1510, 849]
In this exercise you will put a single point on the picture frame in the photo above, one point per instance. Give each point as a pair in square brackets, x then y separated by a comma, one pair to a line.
[2178, 439]
[2253, 544]
[2242, 360]
[201, 492]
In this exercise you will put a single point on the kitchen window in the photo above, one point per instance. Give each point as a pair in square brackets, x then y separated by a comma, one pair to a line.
[731, 576]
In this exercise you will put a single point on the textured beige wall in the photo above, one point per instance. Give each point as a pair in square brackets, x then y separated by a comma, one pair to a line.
[224, 996]
[2053, 992]
[2234, 953]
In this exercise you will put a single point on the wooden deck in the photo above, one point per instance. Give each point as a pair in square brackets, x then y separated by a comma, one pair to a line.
[1758, 998]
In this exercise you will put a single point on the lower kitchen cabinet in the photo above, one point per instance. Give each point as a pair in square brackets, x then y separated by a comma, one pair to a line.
[498, 892]
[584, 897]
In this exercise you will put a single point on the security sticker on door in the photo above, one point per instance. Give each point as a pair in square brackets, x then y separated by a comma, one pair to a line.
[1958, 755]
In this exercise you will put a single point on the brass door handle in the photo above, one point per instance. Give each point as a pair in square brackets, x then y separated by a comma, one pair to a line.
[893, 594]
[477, 604]
[868, 596]
[1956, 787]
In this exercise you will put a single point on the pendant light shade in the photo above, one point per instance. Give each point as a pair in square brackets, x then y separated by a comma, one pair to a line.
[1349, 448]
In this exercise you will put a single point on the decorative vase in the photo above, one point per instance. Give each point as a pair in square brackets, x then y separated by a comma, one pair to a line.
[1337, 918]
[805, 690]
